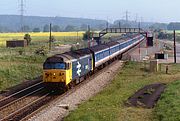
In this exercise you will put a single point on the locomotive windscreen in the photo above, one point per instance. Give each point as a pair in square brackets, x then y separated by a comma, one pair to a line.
[54, 65]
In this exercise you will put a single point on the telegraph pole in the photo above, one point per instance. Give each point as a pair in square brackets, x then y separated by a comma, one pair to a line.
[89, 41]
[107, 25]
[127, 18]
[174, 46]
[119, 24]
[136, 19]
[50, 36]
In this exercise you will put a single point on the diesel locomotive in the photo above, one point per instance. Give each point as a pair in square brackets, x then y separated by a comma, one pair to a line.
[65, 70]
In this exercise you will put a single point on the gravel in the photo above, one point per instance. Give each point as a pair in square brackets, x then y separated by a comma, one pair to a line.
[57, 110]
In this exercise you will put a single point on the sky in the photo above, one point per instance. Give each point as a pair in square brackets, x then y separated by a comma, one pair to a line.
[140, 10]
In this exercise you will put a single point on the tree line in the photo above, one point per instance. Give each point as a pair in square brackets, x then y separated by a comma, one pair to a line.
[57, 28]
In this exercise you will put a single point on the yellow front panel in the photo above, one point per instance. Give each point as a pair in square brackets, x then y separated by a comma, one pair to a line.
[54, 75]
[57, 75]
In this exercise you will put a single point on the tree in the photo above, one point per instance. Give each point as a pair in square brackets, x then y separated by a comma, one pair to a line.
[46, 28]
[87, 35]
[27, 37]
[69, 28]
[173, 25]
[56, 28]
[36, 29]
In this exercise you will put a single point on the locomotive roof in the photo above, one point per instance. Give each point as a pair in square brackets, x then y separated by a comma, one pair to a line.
[98, 47]
[112, 43]
[78, 53]
[86, 51]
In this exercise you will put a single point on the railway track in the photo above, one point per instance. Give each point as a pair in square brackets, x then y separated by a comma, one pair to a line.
[21, 103]
[20, 108]
[22, 93]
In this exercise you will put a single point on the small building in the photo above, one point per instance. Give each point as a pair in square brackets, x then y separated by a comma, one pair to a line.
[16, 43]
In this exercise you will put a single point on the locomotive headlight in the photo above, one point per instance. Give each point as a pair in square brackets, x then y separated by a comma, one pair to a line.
[54, 74]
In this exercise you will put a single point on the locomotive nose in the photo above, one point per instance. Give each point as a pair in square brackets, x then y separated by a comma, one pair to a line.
[54, 76]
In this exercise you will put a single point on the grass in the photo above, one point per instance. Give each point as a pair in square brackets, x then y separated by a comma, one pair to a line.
[15, 73]
[108, 105]
[168, 108]
[16, 68]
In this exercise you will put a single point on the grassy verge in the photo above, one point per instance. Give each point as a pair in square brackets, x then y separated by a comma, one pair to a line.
[108, 105]
[15, 68]
[168, 108]
[16, 73]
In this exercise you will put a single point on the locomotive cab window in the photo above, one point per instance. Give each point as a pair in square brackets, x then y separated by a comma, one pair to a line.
[68, 66]
[60, 65]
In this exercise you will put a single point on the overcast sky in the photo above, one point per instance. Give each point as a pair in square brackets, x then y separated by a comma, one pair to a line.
[145, 10]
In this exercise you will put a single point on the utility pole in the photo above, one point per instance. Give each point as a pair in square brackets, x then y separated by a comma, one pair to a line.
[174, 46]
[119, 24]
[139, 26]
[141, 21]
[89, 41]
[22, 15]
[127, 18]
[50, 36]
[136, 19]
[107, 25]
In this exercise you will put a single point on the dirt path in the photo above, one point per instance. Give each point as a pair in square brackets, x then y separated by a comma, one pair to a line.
[147, 96]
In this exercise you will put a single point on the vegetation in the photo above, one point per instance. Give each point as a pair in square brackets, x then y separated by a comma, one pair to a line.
[87, 35]
[6, 24]
[17, 65]
[61, 37]
[168, 108]
[27, 37]
[109, 105]
[174, 26]
[163, 35]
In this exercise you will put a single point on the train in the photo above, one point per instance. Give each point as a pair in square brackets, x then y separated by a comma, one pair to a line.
[67, 69]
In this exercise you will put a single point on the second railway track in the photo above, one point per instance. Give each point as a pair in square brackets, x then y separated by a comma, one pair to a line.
[21, 93]
[21, 103]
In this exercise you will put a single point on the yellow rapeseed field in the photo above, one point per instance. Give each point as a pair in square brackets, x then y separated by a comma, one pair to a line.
[9, 36]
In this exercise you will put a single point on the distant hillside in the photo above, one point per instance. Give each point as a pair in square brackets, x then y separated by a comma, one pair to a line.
[12, 22]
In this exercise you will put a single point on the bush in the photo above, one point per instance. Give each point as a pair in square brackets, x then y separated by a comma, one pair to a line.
[87, 35]
[41, 51]
[27, 37]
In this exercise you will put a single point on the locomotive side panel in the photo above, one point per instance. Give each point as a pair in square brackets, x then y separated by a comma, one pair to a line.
[82, 66]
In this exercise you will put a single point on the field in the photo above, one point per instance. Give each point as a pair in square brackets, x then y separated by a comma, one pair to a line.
[40, 37]
[109, 105]
[17, 67]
